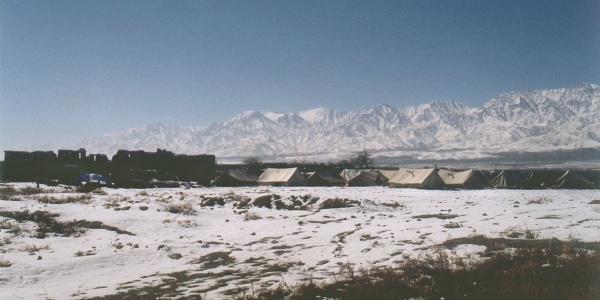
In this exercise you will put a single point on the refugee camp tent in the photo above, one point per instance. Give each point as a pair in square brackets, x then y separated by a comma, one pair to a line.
[347, 174]
[593, 176]
[281, 177]
[468, 179]
[573, 180]
[324, 178]
[510, 179]
[387, 173]
[544, 179]
[416, 178]
[236, 177]
[367, 178]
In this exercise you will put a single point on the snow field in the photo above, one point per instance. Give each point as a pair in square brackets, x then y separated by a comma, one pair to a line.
[223, 249]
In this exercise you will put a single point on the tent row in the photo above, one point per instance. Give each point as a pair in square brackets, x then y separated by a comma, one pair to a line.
[504, 179]
[426, 178]
[278, 177]
[545, 179]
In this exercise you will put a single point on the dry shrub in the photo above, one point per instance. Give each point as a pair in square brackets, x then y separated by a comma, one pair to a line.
[81, 198]
[250, 216]
[28, 190]
[526, 273]
[263, 201]
[394, 205]
[538, 200]
[5, 241]
[33, 248]
[517, 232]
[5, 263]
[212, 201]
[47, 223]
[115, 202]
[9, 193]
[184, 209]
[337, 203]
[243, 202]
[12, 227]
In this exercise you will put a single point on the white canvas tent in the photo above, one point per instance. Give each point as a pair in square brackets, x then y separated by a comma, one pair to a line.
[281, 177]
[416, 178]
[387, 173]
[347, 174]
[461, 180]
[367, 178]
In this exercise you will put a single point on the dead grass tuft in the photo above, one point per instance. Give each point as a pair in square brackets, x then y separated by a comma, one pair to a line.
[9, 193]
[116, 201]
[394, 205]
[251, 216]
[184, 209]
[439, 216]
[5, 263]
[538, 200]
[33, 248]
[80, 198]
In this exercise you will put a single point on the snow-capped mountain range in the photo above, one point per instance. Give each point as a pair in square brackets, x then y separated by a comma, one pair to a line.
[524, 121]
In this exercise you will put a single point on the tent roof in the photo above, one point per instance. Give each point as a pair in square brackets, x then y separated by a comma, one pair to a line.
[573, 180]
[451, 177]
[349, 173]
[411, 176]
[510, 178]
[544, 178]
[277, 175]
[387, 173]
[243, 175]
[330, 177]
[370, 175]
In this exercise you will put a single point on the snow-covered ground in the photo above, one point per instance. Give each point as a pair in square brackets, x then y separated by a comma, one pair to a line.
[215, 250]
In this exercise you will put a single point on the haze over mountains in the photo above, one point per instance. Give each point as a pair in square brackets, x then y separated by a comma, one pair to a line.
[521, 121]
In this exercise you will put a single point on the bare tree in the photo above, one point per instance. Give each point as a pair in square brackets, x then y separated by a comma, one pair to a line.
[252, 162]
[362, 160]
[344, 163]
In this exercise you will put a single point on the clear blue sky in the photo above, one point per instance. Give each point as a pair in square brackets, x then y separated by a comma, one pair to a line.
[76, 69]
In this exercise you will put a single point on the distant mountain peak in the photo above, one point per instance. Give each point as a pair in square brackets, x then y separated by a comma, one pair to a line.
[539, 120]
[247, 114]
[273, 116]
[315, 115]
[585, 84]
[386, 106]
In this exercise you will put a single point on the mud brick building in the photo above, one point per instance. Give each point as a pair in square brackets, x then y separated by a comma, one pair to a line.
[28, 166]
[165, 165]
[69, 166]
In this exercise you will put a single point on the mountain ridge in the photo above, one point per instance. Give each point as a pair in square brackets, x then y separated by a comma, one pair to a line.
[527, 121]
